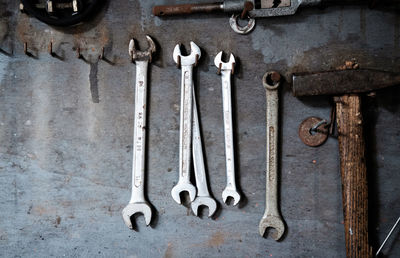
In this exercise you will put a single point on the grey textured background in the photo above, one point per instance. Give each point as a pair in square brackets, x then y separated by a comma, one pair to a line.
[65, 161]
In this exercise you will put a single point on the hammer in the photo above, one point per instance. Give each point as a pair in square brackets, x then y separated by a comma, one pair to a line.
[345, 86]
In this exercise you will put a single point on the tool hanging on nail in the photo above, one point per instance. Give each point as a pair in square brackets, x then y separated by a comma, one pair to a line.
[226, 70]
[186, 63]
[138, 202]
[252, 9]
[272, 217]
[60, 13]
[346, 85]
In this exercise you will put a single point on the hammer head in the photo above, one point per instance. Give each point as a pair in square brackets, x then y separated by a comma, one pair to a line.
[191, 59]
[222, 65]
[341, 82]
[142, 55]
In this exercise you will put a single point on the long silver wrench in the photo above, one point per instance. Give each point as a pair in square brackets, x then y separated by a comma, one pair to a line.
[185, 137]
[272, 217]
[226, 69]
[203, 197]
[138, 203]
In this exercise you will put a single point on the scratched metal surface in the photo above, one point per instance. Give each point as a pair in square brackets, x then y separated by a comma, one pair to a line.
[66, 134]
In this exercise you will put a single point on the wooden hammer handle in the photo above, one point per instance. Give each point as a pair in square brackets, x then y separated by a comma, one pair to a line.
[354, 175]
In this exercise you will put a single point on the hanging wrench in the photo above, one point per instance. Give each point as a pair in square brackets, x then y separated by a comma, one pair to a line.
[226, 69]
[272, 217]
[138, 203]
[203, 196]
[185, 137]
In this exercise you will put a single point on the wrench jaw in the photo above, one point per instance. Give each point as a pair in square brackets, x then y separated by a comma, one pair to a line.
[183, 187]
[204, 201]
[231, 193]
[191, 59]
[272, 221]
[224, 66]
[133, 208]
[142, 55]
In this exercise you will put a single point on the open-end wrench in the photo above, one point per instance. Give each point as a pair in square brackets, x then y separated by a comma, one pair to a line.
[185, 138]
[272, 217]
[226, 69]
[138, 203]
[203, 197]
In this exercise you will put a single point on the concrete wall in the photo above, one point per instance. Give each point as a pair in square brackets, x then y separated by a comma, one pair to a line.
[66, 128]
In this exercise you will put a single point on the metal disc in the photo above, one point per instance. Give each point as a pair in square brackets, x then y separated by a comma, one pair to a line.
[313, 139]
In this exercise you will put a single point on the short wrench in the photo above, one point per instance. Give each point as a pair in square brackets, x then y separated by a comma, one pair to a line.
[272, 217]
[203, 196]
[185, 138]
[226, 69]
[138, 203]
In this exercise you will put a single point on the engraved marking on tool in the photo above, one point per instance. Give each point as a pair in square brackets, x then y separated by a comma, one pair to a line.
[272, 217]
[186, 63]
[225, 69]
[138, 203]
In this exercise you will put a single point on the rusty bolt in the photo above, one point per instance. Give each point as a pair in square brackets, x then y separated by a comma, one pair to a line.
[26, 48]
[50, 48]
[275, 77]
[248, 6]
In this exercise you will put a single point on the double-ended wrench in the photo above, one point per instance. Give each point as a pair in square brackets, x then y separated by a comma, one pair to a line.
[272, 217]
[203, 197]
[227, 69]
[190, 138]
[138, 203]
[186, 63]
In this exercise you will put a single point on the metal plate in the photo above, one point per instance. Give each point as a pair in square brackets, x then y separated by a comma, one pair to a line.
[310, 138]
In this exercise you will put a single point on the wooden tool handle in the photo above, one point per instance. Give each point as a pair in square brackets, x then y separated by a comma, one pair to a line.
[354, 175]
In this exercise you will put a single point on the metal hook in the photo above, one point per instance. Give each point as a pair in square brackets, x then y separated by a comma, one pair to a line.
[233, 22]
[51, 49]
[26, 48]
[102, 56]
[315, 127]
[78, 53]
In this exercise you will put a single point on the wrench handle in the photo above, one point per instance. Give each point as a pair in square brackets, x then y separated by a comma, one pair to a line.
[198, 158]
[185, 136]
[228, 128]
[139, 133]
[167, 10]
[354, 175]
[272, 151]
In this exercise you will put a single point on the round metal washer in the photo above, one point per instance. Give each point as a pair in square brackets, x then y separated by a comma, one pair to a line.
[313, 139]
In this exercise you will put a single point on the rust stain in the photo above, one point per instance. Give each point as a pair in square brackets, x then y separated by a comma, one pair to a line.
[87, 39]
[334, 53]
[58, 221]
[169, 251]
[66, 204]
[217, 239]
[42, 210]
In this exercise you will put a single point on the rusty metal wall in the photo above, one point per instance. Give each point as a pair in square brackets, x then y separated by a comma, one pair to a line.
[66, 128]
